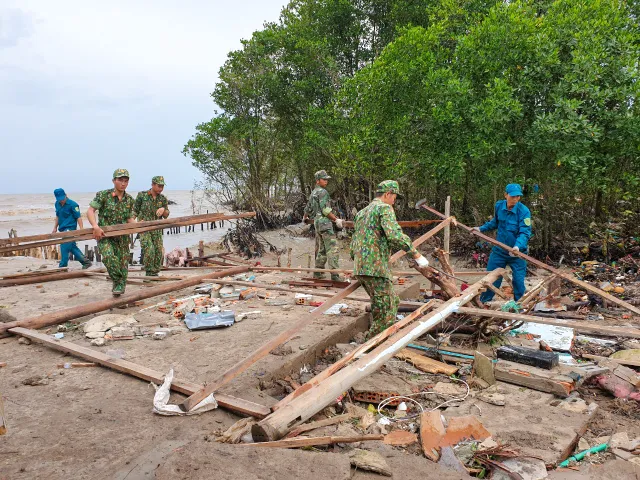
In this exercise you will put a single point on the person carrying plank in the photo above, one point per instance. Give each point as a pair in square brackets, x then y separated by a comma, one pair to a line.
[152, 205]
[376, 234]
[68, 218]
[512, 219]
[114, 207]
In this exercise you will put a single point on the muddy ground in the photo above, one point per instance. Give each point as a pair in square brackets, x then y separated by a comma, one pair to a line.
[97, 423]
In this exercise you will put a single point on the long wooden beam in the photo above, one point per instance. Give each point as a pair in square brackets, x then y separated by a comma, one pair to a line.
[67, 314]
[123, 366]
[402, 223]
[35, 273]
[264, 350]
[361, 350]
[587, 286]
[581, 326]
[277, 424]
[112, 228]
[54, 277]
[116, 231]
[344, 270]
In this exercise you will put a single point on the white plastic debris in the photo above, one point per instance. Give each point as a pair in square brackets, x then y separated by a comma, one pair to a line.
[335, 309]
[558, 338]
[161, 400]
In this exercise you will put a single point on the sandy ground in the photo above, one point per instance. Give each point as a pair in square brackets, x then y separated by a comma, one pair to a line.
[96, 423]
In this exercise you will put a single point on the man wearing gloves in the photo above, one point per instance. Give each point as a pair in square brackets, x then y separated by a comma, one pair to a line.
[376, 234]
[513, 221]
[319, 211]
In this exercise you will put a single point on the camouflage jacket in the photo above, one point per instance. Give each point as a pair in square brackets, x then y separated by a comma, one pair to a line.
[146, 206]
[317, 209]
[376, 233]
[112, 211]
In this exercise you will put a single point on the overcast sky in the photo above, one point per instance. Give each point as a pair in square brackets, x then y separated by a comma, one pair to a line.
[87, 87]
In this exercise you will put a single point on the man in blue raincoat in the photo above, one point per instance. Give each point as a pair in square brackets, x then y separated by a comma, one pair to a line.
[513, 221]
[68, 218]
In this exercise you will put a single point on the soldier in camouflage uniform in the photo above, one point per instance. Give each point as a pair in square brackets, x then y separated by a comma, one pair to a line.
[152, 205]
[114, 207]
[376, 233]
[319, 211]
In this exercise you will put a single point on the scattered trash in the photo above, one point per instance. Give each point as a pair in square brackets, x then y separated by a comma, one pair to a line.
[202, 321]
[335, 309]
[58, 335]
[579, 456]
[558, 338]
[243, 315]
[528, 356]
[161, 404]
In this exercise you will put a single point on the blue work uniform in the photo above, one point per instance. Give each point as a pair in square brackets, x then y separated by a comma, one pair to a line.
[514, 230]
[68, 215]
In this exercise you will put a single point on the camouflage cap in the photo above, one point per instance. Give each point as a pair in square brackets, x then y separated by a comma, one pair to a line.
[388, 186]
[322, 175]
[120, 172]
[158, 180]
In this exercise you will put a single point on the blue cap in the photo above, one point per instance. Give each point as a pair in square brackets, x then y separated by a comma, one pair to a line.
[513, 190]
[59, 194]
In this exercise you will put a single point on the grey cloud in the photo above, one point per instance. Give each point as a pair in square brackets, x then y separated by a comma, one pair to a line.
[14, 25]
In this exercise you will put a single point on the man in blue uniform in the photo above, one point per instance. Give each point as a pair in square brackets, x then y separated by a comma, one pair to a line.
[513, 221]
[68, 217]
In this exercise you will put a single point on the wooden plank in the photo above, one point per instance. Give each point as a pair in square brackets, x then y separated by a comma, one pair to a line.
[581, 326]
[13, 282]
[425, 364]
[72, 313]
[397, 273]
[402, 223]
[587, 286]
[264, 350]
[631, 363]
[534, 378]
[497, 291]
[355, 353]
[310, 402]
[314, 441]
[168, 222]
[113, 231]
[319, 424]
[124, 366]
[36, 273]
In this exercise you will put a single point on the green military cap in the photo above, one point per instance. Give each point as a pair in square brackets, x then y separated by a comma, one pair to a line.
[322, 175]
[158, 180]
[120, 172]
[388, 186]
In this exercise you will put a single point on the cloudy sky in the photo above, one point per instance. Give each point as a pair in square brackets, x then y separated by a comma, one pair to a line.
[88, 86]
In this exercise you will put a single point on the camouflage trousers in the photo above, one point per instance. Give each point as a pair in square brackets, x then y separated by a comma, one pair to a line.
[115, 256]
[384, 302]
[327, 251]
[151, 243]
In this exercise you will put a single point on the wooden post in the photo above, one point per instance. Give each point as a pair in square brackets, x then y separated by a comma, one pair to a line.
[276, 425]
[264, 350]
[72, 313]
[447, 229]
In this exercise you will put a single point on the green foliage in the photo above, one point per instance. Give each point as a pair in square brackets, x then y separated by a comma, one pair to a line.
[451, 97]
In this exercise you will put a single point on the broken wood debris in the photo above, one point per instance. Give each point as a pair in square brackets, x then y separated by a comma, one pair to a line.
[238, 405]
[241, 366]
[315, 441]
[309, 403]
[72, 313]
[586, 286]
